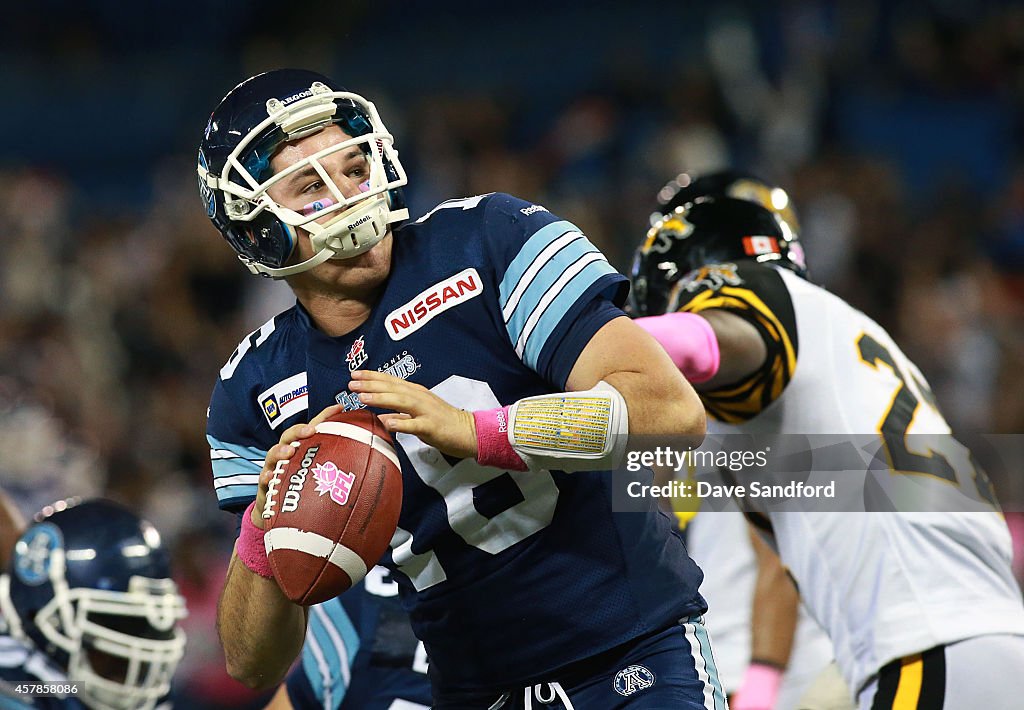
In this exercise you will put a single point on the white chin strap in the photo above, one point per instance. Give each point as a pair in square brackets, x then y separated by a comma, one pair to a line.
[351, 233]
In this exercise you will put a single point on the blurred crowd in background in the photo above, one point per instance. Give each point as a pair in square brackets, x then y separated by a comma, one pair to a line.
[897, 127]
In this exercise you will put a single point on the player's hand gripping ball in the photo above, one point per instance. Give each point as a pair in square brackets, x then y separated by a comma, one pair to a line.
[332, 507]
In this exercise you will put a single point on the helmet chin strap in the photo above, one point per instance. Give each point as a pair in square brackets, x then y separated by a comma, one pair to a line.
[351, 233]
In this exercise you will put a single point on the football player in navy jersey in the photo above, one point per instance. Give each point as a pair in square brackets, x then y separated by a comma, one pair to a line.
[488, 336]
[89, 614]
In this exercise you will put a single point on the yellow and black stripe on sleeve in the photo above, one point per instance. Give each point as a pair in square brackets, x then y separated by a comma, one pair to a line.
[757, 294]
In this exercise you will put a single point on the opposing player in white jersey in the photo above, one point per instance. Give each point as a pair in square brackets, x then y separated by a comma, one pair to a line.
[921, 607]
[769, 650]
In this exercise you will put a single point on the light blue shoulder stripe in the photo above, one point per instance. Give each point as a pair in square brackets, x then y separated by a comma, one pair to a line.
[529, 251]
[542, 282]
[537, 334]
[339, 630]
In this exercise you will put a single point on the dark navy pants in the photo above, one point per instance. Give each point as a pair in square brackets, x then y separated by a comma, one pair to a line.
[671, 669]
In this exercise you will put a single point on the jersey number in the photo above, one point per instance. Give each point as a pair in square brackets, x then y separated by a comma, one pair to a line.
[528, 513]
[900, 416]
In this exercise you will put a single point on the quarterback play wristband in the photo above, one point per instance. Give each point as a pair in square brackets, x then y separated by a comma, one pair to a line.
[570, 431]
[492, 444]
[689, 340]
[760, 688]
[567, 431]
[250, 547]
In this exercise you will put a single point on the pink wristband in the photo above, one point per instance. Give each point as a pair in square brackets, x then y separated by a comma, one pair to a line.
[760, 688]
[250, 547]
[689, 340]
[492, 444]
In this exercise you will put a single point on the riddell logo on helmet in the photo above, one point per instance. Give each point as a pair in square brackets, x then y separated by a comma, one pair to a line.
[362, 220]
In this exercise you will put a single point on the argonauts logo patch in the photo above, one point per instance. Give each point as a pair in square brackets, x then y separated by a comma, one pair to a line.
[403, 365]
[33, 551]
[632, 679]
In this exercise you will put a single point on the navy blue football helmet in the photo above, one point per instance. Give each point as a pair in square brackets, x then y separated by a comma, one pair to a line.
[246, 129]
[89, 586]
[686, 187]
[707, 231]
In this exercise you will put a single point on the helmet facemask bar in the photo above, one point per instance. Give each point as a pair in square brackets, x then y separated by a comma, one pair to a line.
[359, 221]
[149, 666]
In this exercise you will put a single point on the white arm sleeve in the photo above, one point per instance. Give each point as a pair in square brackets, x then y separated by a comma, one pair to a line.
[570, 431]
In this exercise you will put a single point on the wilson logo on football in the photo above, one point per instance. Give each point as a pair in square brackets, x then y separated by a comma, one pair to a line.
[437, 299]
[330, 479]
[291, 495]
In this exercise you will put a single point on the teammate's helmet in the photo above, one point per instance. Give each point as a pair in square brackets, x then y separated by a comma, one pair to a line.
[686, 188]
[89, 586]
[707, 231]
[245, 130]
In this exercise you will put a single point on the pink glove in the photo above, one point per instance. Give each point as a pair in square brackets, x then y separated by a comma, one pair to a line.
[689, 340]
[759, 690]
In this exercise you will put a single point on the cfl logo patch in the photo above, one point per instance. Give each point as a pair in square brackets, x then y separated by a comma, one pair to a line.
[632, 679]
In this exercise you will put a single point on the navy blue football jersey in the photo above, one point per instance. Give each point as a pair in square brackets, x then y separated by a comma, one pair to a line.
[507, 575]
[361, 653]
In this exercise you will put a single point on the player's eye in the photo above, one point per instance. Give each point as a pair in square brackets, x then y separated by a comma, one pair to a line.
[314, 186]
[358, 168]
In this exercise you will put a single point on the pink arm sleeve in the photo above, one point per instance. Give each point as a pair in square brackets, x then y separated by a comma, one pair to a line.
[689, 340]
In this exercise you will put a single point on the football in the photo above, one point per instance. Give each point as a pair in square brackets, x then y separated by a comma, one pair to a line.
[332, 508]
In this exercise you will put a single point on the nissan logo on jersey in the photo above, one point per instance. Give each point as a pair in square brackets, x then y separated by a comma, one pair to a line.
[437, 299]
